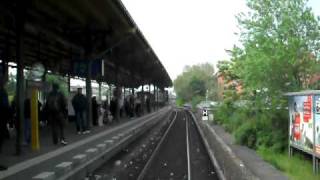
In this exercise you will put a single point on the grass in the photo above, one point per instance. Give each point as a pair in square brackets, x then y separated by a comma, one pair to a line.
[296, 167]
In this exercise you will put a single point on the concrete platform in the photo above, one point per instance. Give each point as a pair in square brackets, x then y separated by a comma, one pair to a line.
[236, 161]
[80, 154]
[261, 169]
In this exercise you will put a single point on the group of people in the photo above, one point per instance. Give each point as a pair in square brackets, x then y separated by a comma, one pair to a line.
[131, 105]
[55, 112]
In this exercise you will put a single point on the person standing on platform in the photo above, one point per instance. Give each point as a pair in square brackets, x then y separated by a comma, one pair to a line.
[138, 106]
[57, 113]
[27, 122]
[121, 105]
[131, 104]
[148, 103]
[4, 111]
[94, 111]
[113, 107]
[127, 106]
[79, 103]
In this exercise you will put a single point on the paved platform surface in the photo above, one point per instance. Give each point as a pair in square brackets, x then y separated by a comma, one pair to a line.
[254, 162]
[8, 157]
[50, 154]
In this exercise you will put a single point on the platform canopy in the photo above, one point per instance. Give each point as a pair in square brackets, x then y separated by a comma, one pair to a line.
[62, 33]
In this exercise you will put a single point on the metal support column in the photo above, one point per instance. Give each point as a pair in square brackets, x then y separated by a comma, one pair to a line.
[5, 71]
[89, 94]
[20, 22]
[35, 143]
[117, 94]
[100, 95]
[69, 84]
[157, 98]
[110, 94]
[133, 107]
[142, 98]
[124, 93]
[154, 97]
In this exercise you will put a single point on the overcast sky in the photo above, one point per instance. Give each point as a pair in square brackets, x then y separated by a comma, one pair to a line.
[187, 32]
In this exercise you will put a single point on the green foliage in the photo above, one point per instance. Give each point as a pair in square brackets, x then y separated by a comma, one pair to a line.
[280, 44]
[61, 81]
[296, 167]
[252, 123]
[192, 85]
[247, 134]
[11, 85]
[196, 100]
[227, 69]
[279, 52]
[180, 102]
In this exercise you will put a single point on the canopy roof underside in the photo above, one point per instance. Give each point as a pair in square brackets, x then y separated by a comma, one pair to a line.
[58, 33]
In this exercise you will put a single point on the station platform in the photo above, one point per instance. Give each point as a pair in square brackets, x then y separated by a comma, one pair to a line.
[57, 161]
[234, 160]
[249, 157]
[8, 157]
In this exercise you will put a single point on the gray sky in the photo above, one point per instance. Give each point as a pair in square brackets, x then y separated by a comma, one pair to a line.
[187, 32]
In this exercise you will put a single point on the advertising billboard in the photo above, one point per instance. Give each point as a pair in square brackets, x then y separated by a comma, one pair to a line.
[317, 124]
[301, 122]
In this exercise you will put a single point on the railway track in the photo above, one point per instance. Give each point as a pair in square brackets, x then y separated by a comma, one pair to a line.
[180, 154]
[172, 150]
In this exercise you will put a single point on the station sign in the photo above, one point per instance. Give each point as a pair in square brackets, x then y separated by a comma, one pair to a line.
[205, 116]
[79, 68]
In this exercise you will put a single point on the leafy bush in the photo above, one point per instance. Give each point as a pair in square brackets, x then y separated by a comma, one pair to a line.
[180, 102]
[246, 134]
[255, 125]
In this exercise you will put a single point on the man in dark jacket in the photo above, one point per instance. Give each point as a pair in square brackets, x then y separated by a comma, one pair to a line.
[27, 122]
[4, 111]
[57, 112]
[113, 107]
[79, 103]
[148, 103]
[94, 111]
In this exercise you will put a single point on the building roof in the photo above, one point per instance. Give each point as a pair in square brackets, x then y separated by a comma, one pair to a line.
[59, 33]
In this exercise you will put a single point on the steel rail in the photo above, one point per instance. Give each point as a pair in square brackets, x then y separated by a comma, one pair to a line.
[188, 146]
[209, 151]
[155, 152]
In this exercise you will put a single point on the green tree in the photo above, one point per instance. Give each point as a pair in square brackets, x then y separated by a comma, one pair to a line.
[279, 52]
[194, 83]
[11, 85]
[280, 42]
[61, 81]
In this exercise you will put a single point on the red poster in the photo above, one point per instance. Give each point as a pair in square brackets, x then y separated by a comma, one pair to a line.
[307, 109]
[296, 127]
